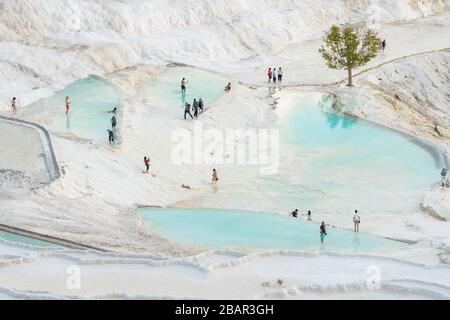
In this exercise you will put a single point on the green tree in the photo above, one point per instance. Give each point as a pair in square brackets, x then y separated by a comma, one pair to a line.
[348, 48]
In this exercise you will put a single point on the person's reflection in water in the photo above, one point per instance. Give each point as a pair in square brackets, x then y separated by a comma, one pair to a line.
[332, 120]
[67, 122]
[322, 248]
[183, 98]
[356, 243]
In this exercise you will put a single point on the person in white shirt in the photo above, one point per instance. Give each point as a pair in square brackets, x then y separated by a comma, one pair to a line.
[274, 75]
[356, 221]
[280, 74]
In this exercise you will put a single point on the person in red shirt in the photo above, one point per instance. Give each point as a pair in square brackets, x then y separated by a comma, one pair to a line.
[269, 74]
[147, 164]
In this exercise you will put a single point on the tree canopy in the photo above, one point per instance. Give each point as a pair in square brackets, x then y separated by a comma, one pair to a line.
[347, 48]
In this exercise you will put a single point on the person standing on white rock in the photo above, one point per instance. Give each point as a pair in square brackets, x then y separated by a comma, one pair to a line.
[383, 46]
[215, 178]
[110, 136]
[356, 221]
[280, 74]
[14, 106]
[274, 75]
[201, 104]
[187, 110]
[147, 164]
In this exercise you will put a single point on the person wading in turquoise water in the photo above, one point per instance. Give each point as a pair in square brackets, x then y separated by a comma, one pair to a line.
[183, 85]
[294, 213]
[323, 231]
[356, 221]
[113, 123]
[67, 105]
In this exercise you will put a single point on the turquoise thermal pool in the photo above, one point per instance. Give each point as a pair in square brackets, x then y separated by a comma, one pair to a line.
[215, 228]
[337, 164]
[92, 101]
[165, 89]
[11, 237]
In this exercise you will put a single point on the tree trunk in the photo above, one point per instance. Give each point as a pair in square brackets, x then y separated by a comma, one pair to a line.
[350, 77]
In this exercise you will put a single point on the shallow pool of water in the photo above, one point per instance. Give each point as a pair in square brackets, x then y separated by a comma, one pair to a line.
[89, 116]
[11, 237]
[165, 89]
[215, 228]
[341, 164]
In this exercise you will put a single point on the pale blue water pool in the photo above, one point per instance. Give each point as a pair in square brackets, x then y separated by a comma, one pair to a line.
[215, 228]
[342, 164]
[11, 237]
[165, 89]
[89, 117]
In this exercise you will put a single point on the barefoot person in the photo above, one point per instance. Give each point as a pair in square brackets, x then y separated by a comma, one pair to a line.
[274, 75]
[294, 213]
[113, 123]
[269, 74]
[187, 110]
[356, 221]
[323, 231]
[14, 106]
[228, 87]
[147, 164]
[215, 178]
[67, 105]
[444, 179]
[183, 85]
[280, 74]
[201, 104]
[111, 136]
[309, 215]
[195, 108]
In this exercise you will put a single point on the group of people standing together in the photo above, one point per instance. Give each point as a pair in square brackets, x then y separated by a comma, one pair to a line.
[196, 106]
[275, 75]
[323, 228]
